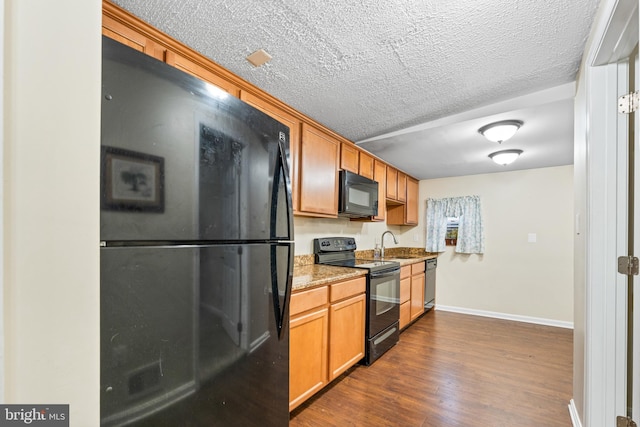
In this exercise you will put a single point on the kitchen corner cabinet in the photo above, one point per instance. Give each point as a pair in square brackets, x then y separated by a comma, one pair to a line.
[294, 125]
[411, 213]
[308, 344]
[411, 292]
[349, 158]
[318, 173]
[327, 335]
[406, 213]
[346, 325]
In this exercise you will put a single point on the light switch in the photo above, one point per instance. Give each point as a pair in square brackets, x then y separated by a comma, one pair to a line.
[532, 238]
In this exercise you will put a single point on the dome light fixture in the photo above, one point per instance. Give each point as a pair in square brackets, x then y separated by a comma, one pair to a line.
[505, 157]
[500, 131]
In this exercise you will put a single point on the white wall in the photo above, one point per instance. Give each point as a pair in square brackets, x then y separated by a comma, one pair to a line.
[514, 276]
[51, 217]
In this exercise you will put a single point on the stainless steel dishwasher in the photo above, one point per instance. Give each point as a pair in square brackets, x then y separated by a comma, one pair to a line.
[430, 284]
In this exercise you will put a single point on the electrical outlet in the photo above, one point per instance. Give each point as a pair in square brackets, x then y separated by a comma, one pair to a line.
[416, 237]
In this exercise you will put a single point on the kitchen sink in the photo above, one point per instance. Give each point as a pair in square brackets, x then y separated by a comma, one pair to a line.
[401, 257]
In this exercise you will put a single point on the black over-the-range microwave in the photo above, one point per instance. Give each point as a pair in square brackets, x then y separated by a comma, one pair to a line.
[358, 196]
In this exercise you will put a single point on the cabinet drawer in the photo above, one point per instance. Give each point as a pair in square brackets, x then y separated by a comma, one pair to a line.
[417, 268]
[348, 288]
[405, 271]
[306, 300]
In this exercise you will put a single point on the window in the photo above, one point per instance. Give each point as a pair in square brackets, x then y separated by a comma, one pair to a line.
[451, 237]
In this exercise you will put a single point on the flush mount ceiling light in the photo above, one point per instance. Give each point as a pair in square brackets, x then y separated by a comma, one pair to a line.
[500, 131]
[259, 58]
[505, 157]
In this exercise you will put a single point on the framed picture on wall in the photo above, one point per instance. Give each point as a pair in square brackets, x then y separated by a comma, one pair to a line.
[131, 181]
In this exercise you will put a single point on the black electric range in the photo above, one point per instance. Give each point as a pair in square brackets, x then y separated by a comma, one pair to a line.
[383, 292]
[340, 251]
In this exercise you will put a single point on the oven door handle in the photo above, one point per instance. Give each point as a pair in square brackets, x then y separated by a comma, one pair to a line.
[386, 273]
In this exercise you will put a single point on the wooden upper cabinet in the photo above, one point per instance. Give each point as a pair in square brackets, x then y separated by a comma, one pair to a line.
[412, 201]
[189, 66]
[365, 167]
[294, 125]
[318, 173]
[124, 34]
[401, 187]
[392, 183]
[349, 157]
[380, 175]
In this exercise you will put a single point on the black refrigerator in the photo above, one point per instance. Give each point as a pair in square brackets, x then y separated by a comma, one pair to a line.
[196, 251]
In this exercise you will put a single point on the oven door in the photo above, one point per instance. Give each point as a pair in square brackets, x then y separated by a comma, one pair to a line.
[384, 300]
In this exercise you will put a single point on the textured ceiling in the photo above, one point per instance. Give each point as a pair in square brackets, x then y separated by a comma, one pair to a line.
[365, 68]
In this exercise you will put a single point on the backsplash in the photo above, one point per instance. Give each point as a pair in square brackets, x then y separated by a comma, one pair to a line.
[300, 260]
[365, 233]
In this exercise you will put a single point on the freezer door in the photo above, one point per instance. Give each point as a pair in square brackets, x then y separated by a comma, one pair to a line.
[182, 161]
[194, 335]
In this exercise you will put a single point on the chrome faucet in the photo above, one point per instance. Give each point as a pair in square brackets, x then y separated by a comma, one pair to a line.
[382, 242]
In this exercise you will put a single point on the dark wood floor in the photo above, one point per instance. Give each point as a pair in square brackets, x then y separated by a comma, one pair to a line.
[452, 370]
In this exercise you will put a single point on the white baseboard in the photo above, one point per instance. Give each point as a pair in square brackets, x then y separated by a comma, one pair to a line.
[573, 412]
[505, 316]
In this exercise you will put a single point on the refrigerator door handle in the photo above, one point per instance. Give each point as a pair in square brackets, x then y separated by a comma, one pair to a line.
[281, 165]
[280, 302]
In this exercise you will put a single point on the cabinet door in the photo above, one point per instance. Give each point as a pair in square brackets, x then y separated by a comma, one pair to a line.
[401, 185]
[405, 298]
[126, 35]
[294, 137]
[308, 335]
[405, 314]
[318, 173]
[189, 66]
[380, 175]
[412, 202]
[392, 183]
[366, 165]
[346, 334]
[417, 295]
[349, 159]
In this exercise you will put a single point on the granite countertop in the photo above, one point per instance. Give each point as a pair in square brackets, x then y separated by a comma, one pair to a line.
[311, 275]
[306, 274]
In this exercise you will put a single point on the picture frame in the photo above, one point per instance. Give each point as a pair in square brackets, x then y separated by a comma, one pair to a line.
[131, 181]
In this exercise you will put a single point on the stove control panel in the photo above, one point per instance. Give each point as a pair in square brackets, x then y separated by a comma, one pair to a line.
[334, 244]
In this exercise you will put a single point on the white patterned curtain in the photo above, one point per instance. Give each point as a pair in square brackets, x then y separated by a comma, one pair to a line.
[470, 225]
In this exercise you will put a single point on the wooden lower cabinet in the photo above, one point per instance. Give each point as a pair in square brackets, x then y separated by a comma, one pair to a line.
[411, 292]
[308, 344]
[405, 296]
[346, 329]
[417, 289]
[326, 336]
